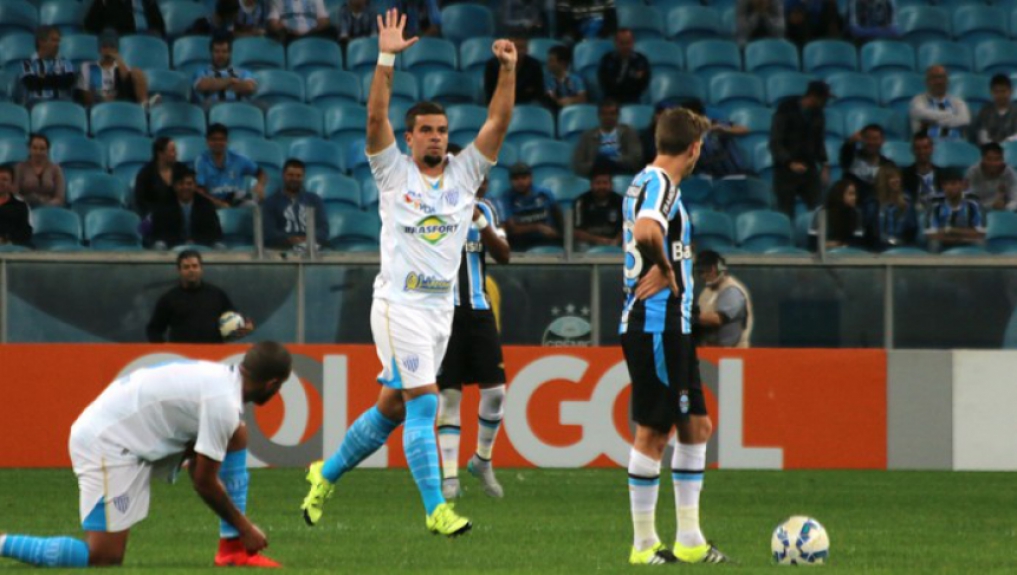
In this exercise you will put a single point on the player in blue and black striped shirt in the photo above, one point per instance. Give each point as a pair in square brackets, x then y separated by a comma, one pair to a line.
[656, 337]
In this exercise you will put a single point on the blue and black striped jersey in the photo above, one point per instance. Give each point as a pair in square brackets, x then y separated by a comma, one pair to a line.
[471, 284]
[652, 195]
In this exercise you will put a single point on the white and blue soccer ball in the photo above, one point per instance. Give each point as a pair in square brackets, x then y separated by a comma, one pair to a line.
[800, 540]
[229, 323]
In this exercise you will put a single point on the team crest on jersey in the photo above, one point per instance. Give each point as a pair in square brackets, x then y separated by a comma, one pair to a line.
[451, 197]
[121, 503]
[432, 229]
[683, 403]
[426, 284]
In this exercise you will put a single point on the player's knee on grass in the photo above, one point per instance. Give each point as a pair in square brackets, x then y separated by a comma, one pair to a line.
[239, 440]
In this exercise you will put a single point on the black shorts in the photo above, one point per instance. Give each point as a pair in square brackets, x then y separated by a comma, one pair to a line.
[666, 387]
[474, 350]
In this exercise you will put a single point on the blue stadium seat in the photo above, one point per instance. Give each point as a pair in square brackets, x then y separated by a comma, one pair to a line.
[529, 122]
[646, 22]
[18, 16]
[787, 85]
[696, 193]
[475, 52]
[762, 161]
[1009, 153]
[688, 24]
[574, 120]
[825, 57]
[852, 89]
[336, 189]
[966, 252]
[237, 227]
[57, 119]
[675, 85]
[255, 53]
[278, 87]
[955, 154]
[460, 22]
[546, 251]
[1000, 233]
[921, 24]
[356, 160]
[78, 48]
[8, 86]
[464, 121]
[538, 48]
[834, 123]
[176, 120]
[953, 56]
[762, 230]
[758, 120]
[974, 24]
[905, 251]
[861, 116]
[897, 90]
[286, 122]
[268, 155]
[89, 191]
[740, 195]
[972, 88]
[883, 57]
[788, 251]
[447, 87]
[666, 6]
[15, 48]
[638, 116]
[180, 16]
[662, 54]
[14, 123]
[111, 120]
[13, 150]
[126, 155]
[112, 229]
[362, 55]
[344, 124]
[66, 15]
[734, 89]
[145, 52]
[587, 54]
[712, 230]
[78, 153]
[567, 188]
[538, 153]
[707, 58]
[996, 57]
[899, 152]
[55, 228]
[319, 156]
[404, 87]
[312, 54]
[173, 87]
[190, 54]
[429, 55]
[765, 57]
[350, 226]
[190, 147]
[242, 119]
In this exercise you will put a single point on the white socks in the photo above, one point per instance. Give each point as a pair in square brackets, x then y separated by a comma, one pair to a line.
[687, 467]
[491, 411]
[448, 431]
[644, 483]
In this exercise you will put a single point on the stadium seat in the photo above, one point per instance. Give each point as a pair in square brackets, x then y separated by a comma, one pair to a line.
[78, 153]
[465, 120]
[541, 153]
[328, 88]
[688, 24]
[740, 195]
[955, 154]
[112, 229]
[111, 120]
[676, 85]
[55, 228]
[15, 48]
[646, 22]
[788, 251]
[972, 88]
[906, 251]
[529, 122]
[852, 89]
[180, 16]
[576, 119]
[176, 120]
[126, 155]
[637, 116]
[460, 22]
[8, 86]
[320, 157]
[834, 120]
[765, 57]
[707, 58]
[268, 155]
[362, 55]
[356, 160]
[89, 191]
[974, 24]
[825, 57]
[662, 54]
[172, 87]
[336, 190]
[996, 57]
[237, 227]
[1009, 153]
[448, 87]
[861, 116]
[278, 87]
[587, 54]
[475, 52]
[255, 53]
[190, 147]
[922, 24]
[404, 87]
[786, 85]
[286, 122]
[242, 119]
[735, 89]
[350, 226]
[58, 119]
[567, 188]
[897, 90]
[1000, 233]
[66, 15]
[312, 54]
[546, 251]
[605, 251]
[953, 56]
[14, 122]
[18, 16]
[666, 6]
[712, 230]
[190, 54]
[538, 48]
[78, 48]
[145, 52]
[762, 230]
[966, 252]
[884, 57]
[758, 120]
[429, 55]
[695, 193]
[762, 161]
[344, 124]
[899, 152]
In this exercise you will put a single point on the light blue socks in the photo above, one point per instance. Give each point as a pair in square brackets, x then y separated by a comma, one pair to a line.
[46, 551]
[422, 450]
[367, 434]
[234, 476]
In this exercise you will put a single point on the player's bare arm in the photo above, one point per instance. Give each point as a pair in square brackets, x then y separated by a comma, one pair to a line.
[650, 242]
[205, 477]
[499, 112]
[390, 43]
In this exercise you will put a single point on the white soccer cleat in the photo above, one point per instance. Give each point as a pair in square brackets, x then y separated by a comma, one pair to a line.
[484, 471]
[450, 488]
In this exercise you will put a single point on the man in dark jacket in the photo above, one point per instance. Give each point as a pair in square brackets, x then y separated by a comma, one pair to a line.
[191, 219]
[125, 16]
[624, 74]
[529, 76]
[14, 226]
[860, 159]
[797, 145]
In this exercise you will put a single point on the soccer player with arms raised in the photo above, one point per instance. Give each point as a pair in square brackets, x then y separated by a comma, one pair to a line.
[656, 337]
[427, 208]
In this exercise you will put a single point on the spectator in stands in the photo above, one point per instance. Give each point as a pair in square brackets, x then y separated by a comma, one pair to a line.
[533, 218]
[38, 180]
[563, 86]
[861, 158]
[110, 79]
[46, 76]
[920, 178]
[14, 225]
[845, 226]
[720, 155]
[222, 21]
[991, 182]
[758, 19]
[125, 16]
[799, 152]
[598, 213]
[220, 81]
[725, 306]
[577, 20]
[423, 17]
[616, 145]
[955, 220]
[523, 18]
[153, 186]
[529, 75]
[624, 74]
[285, 212]
[356, 20]
[189, 219]
[891, 220]
[939, 114]
[251, 19]
[996, 121]
[290, 20]
[809, 20]
[872, 19]
[223, 173]
[192, 309]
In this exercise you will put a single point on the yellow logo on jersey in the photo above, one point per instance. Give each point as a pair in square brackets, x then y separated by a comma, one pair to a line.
[432, 229]
[426, 284]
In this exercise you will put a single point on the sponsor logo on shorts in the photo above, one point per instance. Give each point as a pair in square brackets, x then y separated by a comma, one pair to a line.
[121, 503]
[411, 363]
[432, 229]
[426, 284]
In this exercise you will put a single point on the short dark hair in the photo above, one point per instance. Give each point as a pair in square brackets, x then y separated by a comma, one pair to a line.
[608, 103]
[948, 175]
[992, 147]
[37, 136]
[181, 172]
[423, 109]
[677, 129]
[1000, 80]
[7, 169]
[266, 361]
[601, 168]
[294, 163]
[709, 259]
[43, 32]
[874, 127]
[217, 128]
[220, 39]
[186, 255]
[159, 146]
[563, 54]
[921, 135]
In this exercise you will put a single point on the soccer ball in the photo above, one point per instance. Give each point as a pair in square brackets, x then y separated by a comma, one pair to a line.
[229, 323]
[800, 540]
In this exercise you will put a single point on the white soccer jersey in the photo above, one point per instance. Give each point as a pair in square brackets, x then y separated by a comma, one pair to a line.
[424, 226]
[154, 412]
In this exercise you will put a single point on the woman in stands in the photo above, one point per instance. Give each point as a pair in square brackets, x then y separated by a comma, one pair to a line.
[844, 222]
[39, 181]
[891, 221]
[154, 184]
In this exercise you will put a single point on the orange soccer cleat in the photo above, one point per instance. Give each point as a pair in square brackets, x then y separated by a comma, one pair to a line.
[232, 554]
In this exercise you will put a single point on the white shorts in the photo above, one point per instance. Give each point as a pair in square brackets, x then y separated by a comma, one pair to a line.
[114, 491]
[411, 343]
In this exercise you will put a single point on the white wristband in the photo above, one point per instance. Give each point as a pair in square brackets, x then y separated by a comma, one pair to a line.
[386, 59]
[481, 222]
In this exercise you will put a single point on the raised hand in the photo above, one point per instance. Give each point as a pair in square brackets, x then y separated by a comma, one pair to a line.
[506, 53]
[390, 32]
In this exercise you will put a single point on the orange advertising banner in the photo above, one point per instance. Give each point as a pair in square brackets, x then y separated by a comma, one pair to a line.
[566, 407]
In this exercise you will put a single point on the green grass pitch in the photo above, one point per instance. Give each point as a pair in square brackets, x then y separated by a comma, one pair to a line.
[561, 521]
